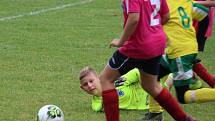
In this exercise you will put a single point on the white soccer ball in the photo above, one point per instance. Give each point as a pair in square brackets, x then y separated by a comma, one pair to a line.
[50, 113]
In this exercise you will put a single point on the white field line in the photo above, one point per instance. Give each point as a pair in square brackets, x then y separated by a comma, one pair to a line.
[46, 10]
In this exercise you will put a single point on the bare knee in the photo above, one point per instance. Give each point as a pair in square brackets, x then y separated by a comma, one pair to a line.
[107, 78]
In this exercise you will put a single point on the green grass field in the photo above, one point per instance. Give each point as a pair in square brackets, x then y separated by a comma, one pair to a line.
[41, 55]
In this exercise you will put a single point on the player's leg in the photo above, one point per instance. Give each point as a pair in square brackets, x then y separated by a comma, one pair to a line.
[109, 94]
[116, 67]
[164, 71]
[200, 95]
[183, 77]
[155, 110]
[163, 97]
[182, 74]
[164, 68]
[201, 33]
[203, 73]
[185, 95]
[149, 74]
[198, 68]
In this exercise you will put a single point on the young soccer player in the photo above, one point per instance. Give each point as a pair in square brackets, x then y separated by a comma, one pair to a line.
[141, 45]
[131, 94]
[182, 50]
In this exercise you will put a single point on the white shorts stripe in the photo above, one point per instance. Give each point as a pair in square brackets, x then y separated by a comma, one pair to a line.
[127, 5]
[181, 75]
[120, 65]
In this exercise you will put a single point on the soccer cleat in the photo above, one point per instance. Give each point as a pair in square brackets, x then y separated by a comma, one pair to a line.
[196, 85]
[189, 118]
[153, 117]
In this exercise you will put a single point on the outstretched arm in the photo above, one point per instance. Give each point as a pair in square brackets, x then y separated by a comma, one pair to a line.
[207, 3]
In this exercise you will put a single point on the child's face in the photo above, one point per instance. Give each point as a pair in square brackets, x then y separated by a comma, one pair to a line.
[91, 84]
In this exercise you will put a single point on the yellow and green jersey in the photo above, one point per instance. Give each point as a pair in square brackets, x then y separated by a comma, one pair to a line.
[131, 94]
[179, 29]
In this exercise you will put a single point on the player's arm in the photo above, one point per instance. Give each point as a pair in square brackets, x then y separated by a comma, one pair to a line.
[130, 27]
[165, 18]
[164, 12]
[97, 104]
[207, 3]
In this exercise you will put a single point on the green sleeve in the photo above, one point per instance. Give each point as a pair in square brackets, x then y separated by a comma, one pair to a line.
[132, 76]
[97, 103]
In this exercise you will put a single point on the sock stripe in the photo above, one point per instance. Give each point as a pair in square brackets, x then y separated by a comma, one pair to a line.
[193, 96]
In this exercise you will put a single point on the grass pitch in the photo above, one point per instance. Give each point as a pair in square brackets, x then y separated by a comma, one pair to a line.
[41, 55]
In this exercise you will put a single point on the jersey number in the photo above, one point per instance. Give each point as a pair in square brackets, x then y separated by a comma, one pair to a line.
[185, 19]
[154, 21]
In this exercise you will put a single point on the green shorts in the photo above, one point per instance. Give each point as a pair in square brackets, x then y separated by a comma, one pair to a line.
[181, 68]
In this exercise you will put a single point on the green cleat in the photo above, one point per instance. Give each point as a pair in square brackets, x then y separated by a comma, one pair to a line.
[196, 85]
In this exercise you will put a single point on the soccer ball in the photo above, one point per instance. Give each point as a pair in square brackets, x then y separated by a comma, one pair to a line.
[50, 113]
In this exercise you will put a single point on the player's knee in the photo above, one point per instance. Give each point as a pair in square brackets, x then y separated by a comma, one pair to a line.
[103, 78]
[107, 79]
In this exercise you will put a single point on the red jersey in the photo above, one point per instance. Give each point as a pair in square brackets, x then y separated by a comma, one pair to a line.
[149, 39]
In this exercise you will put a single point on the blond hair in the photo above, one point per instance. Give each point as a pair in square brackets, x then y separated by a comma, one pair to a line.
[85, 71]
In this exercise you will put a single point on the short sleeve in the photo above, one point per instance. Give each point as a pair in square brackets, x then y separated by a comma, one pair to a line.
[132, 6]
[96, 103]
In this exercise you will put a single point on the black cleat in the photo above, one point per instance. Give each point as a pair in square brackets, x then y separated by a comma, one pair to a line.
[153, 117]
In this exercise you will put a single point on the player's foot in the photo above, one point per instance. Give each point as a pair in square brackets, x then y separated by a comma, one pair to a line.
[196, 85]
[153, 117]
[189, 118]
